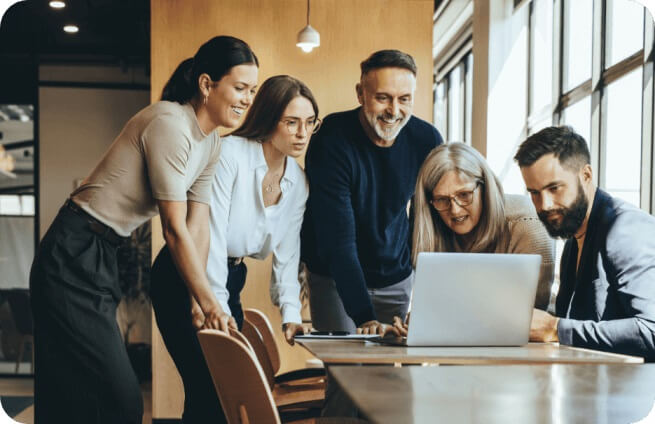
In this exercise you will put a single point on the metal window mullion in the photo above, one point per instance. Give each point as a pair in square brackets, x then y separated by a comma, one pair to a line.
[598, 98]
[647, 138]
[462, 100]
[530, 51]
[558, 59]
[446, 102]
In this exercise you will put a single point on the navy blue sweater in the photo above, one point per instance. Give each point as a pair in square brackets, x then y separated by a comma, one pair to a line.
[356, 228]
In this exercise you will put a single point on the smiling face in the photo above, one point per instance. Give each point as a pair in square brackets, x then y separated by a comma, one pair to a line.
[229, 98]
[299, 115]
[460, 219]
[560, 195]
[387, 99]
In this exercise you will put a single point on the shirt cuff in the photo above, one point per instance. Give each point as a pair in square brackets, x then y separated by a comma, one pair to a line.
[565, 331]
[290, 313]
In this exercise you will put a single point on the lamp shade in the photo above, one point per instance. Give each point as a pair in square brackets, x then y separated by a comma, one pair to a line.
[308, 38]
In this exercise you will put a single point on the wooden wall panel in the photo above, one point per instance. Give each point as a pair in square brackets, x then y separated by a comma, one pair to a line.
[350, 31]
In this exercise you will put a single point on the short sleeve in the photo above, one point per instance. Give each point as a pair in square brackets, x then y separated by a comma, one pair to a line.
[200, 190]
[166, 149]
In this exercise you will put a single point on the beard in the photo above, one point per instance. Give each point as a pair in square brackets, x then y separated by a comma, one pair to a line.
[386, 134]
[572, 217]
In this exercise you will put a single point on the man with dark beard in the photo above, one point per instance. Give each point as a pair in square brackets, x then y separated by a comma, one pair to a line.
[606, 299]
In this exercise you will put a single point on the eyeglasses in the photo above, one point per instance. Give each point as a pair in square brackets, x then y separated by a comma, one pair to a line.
[293, 125]
[462, 198]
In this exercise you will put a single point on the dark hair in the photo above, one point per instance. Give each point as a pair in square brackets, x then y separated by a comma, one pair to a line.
[388, 59]
[563, 142]
[272, 98]
[216, 57]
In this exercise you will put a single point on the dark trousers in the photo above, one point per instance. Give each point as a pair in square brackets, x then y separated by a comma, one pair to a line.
[172, 305]
[83, 374]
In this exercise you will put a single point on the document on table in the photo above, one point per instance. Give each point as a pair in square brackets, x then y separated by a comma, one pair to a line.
[336, 336]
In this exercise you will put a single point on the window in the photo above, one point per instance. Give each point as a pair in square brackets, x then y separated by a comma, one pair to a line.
[454, 99]
[13, 204]
[601, 89]
[595, 74]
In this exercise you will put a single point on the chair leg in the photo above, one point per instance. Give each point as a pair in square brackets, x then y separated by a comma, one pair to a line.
[21, 348]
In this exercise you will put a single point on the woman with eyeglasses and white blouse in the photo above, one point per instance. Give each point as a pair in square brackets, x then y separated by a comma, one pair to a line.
[256, 208]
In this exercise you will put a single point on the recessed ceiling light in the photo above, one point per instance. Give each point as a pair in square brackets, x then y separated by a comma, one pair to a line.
[57, 4]
[71, 29]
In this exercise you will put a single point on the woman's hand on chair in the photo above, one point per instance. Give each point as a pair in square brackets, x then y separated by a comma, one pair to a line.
[290, 329]
[217, 319]
[197, 317]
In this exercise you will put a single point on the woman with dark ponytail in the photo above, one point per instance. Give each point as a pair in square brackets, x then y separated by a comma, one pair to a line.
[257, 205]
[162, 162]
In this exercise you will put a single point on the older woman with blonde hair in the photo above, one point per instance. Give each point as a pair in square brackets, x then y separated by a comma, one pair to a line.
[459, 206]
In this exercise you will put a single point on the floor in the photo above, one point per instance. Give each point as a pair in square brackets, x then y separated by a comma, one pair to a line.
[25, 387]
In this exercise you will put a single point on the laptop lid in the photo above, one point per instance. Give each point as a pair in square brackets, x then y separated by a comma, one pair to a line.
[473, 299]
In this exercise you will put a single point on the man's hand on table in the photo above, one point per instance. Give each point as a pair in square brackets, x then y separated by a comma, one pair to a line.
[543, 327]
[400, 326]
[376, 327]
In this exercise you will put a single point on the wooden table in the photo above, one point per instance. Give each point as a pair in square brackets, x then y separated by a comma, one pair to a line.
[502, 394]
[358, 352]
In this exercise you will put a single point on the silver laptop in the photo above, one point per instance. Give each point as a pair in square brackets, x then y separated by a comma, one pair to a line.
[472, 299]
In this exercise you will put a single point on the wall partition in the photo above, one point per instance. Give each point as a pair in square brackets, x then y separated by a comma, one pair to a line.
[350, 31]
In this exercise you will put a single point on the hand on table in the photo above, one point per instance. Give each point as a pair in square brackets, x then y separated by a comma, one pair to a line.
[290, 329]
[376, 327]
[543, 327]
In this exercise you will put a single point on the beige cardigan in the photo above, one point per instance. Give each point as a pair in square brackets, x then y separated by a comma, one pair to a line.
[528, 235]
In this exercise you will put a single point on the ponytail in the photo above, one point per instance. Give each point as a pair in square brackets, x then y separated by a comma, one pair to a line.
[179, 87]
[216, 58]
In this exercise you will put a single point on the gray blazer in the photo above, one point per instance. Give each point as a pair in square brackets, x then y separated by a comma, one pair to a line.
[610, 304]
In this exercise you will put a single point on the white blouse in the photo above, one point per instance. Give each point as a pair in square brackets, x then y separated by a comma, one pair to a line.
[241, 226]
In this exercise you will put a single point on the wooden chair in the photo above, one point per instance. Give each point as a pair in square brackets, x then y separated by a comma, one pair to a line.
[263, 325]
[240, 381]
[304, 394]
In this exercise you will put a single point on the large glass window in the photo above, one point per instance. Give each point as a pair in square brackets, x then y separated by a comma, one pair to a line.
[455, 92]
[453, 102]
[623, 138]
[541, 59]
[578, 116]
[578, 32]
[625, 30]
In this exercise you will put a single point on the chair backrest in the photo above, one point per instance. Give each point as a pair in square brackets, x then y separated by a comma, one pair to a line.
[254, 337]
[240, 337]
[238, 378]
[21, 311]
[260, 320]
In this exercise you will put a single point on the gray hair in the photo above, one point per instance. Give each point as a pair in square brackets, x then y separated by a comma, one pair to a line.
[431, 234]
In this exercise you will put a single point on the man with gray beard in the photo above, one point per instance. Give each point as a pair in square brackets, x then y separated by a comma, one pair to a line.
[606, 299]
[362, 167]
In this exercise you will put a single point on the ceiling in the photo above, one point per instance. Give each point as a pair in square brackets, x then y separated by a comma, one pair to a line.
[116, 31]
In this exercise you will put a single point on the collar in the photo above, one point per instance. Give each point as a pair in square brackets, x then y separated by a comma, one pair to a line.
[258, 163]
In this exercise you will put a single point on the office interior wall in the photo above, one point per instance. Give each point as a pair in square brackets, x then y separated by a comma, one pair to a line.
[76, 126]
[350, 31]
